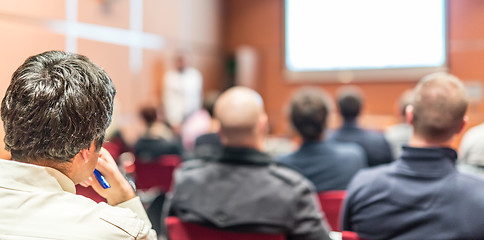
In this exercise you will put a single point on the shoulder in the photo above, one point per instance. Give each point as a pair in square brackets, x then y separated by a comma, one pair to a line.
[373, 134]
[193, 72]
[288, 174]
[370, 180]
[471, 182]
[345, 148]
[105, 221]
[286, 159]
[193, 165]
[470, 189]
[349, 151]
[476, 130]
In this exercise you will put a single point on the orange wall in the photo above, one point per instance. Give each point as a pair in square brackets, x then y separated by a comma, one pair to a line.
[260, 23]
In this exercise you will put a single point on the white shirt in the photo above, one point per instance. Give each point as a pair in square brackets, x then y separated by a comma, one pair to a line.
[40, 203]
[182, 94]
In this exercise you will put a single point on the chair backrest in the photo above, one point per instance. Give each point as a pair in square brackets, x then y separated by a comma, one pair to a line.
[89, 193]
[158, 174]
[347, 235]
[178, 230]
[331, 202]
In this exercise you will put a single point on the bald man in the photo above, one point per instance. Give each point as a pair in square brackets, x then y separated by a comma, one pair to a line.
[245, 190]
[421, 195]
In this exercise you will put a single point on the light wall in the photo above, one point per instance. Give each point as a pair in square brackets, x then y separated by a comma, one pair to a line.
[29, 27]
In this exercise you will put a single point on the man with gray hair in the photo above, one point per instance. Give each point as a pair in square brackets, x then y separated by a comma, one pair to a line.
[55, 114]
[245, 190]
[421, 195]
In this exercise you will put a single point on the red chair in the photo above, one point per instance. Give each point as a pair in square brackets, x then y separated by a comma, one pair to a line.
[157, 174]
[178, 230]
[331, 202]
[89, 193]
[347, 235]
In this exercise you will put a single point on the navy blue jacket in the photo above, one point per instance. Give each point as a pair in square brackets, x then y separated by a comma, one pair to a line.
[420, 196]
[377, 148]
[328, 165]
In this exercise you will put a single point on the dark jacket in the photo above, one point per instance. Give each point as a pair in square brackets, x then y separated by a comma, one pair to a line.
[328, 165]
[245, 190]
[420, 196]
[148, 149]
[377, 148]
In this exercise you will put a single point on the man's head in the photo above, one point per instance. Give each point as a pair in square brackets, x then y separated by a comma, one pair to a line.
[56, 105]
[309, 112]
[438, 107]
[350, 102]
[180, 62]
[243, 120]
[149, 115]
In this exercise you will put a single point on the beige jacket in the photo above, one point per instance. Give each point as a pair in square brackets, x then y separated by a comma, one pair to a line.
[40, 203]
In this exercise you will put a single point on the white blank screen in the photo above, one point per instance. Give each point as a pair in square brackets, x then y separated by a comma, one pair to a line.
[329, 35]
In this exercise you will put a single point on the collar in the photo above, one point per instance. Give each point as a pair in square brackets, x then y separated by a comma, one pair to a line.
[311, 143]
[351, 123]
[427, 162]
[30, 177]
[244, 156]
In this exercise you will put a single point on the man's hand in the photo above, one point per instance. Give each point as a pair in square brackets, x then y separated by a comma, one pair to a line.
[120, 190]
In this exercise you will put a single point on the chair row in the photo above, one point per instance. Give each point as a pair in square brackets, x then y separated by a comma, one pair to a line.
[178, 230]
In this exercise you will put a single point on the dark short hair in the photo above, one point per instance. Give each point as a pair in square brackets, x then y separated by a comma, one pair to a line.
[57, 103]
[149, 114]
[439, 106]
[308, 113]
[350, 101]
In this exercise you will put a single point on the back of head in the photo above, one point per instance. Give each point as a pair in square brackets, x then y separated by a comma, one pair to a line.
[57, 103]
[350, 101]
[309, 112]
[240, 112]
[149, 114]
[439, 106]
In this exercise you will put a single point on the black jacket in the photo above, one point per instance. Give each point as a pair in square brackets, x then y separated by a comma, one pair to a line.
[245, 190]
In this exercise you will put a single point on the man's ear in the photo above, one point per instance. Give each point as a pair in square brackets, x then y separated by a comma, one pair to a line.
[465, 120]
[409, 114]
[263, 124]
[84, 154]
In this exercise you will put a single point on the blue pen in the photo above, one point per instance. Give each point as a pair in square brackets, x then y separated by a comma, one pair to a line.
[100, 178]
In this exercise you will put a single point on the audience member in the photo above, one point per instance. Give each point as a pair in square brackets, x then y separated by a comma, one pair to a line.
[152, 144]
[399, 134]
[182, 92]
[421, 195]
[471, 151]
[209, 145]
[55, 113]
[328, 165]
[245, 190]
[377, 149]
